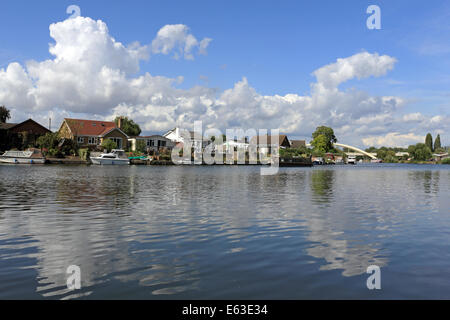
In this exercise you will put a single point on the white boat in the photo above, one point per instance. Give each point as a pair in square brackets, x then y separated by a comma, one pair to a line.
[33, 156]
[116, 157]
[351, 160]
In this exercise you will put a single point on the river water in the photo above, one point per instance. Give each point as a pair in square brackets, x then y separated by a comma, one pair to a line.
[225, 232]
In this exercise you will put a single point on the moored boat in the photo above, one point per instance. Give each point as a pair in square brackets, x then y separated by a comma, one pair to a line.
[116, 157]
[30, 156]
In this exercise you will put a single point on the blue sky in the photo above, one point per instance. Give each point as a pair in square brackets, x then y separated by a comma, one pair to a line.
[275, 45]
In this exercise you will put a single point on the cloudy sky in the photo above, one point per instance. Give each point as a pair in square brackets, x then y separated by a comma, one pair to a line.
[292, 65]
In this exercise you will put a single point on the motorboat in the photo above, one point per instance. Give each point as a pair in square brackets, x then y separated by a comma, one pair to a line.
[351, 160]
[30, 156]
[115, 157]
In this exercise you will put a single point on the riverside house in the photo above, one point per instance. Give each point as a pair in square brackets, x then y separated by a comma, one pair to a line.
[265, 144]
[91, 133]
[20, 135]
[154, 144]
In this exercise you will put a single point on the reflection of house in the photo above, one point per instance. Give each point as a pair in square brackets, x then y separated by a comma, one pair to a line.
[181, 136]
[152, 143]
[295, 144]
[265, 144]
[20, 135]
[92, 133]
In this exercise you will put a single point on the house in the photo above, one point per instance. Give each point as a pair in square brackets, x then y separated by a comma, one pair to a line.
[295, 144]
[20, 135]
[179, 136]
[440, 156]
[265, 144]
[231, 146]
[154, 144]
[91, 133]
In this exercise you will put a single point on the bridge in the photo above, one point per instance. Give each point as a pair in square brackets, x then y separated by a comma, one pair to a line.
[370, 155]
[358, 152]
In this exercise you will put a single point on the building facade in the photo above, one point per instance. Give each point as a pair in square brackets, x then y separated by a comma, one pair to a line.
[91, 133]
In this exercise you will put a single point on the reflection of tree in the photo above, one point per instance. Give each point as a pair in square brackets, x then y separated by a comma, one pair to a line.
[322, 185]
[429, 179]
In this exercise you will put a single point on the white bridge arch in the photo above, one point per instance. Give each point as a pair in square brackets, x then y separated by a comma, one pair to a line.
[371, 156]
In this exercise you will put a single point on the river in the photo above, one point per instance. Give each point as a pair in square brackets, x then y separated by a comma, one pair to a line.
[204, 232]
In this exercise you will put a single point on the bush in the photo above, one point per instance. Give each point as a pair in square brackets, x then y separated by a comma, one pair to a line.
[84, 154]
[446, 161]
[109, 145]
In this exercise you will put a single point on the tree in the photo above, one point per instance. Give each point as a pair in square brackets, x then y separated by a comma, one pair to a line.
[429, 141]
[320, 144]
[437, 143]
[328, 138]
[420, 152]
[128, 126]
[4, 114]
[109, 145]
[141, 146]
[48, 141]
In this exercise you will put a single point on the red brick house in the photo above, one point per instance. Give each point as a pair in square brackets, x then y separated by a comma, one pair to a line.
[92, 133]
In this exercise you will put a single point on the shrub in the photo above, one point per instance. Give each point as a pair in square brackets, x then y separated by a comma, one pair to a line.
[84, 154]
[446, 161]
[109, 145]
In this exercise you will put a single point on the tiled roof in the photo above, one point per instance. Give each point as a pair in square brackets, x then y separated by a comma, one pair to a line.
[89, 127]
[298, 143]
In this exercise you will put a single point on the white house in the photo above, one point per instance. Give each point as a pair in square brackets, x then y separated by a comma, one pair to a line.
[231, 145]
[153, 143]
[178, 135]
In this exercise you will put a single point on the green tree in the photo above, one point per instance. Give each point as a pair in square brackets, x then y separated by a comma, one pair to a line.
[48, 141]
[109, 145]
[437, 143]
[320, 144]
[429, 141]
[420, 152]
[4, 114]
[128, 126]
[141, 146]
[324, 134]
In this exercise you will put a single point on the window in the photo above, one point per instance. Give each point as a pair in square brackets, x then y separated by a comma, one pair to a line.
[80, 140]
[162, 143]
[93, 140]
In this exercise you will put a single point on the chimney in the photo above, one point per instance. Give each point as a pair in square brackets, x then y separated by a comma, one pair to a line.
[120, 122]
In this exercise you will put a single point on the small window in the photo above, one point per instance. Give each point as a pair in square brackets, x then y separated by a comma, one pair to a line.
[92, 140]
[80, 140]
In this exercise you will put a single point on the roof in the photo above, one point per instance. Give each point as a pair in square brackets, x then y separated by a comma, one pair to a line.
[298, 143]
[16, 126]
[7, 126]
[80, 127]
[265, 140]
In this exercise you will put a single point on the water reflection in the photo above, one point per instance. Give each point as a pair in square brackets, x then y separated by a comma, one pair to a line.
[185, 232]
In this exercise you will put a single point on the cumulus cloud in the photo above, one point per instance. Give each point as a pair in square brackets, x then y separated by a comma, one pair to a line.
[394, 139]
[93, 75]
[177, 37]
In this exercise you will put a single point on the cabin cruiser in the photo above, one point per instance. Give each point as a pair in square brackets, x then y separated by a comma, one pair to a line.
[116, 157]
[31, 156]
[351, 160]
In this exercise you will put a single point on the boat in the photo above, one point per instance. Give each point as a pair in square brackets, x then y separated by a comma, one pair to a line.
[115, 157]
[351, 160]
[30, 156]
[376, 161]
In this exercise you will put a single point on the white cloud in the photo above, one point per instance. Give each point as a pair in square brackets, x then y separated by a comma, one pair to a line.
[177, 37]
[93, 75]
[393, 139]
